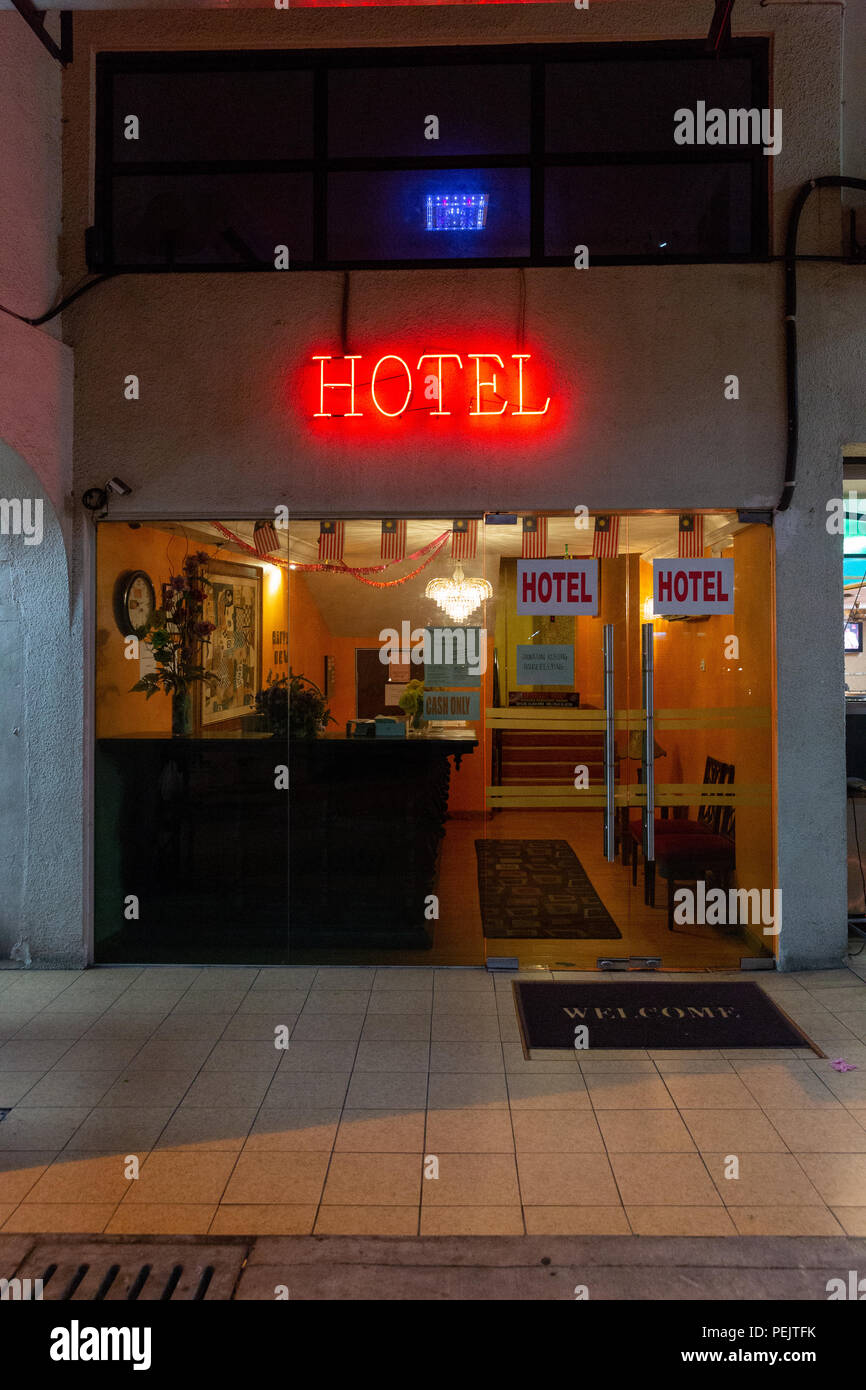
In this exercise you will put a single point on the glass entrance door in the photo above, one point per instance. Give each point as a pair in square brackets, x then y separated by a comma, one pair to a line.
[709, 863]
[554, 883]
[629, 746]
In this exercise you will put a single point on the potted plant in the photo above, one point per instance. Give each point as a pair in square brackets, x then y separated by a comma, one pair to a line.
[412, 703]
[308, 713]
[176, 634]
[272, 705]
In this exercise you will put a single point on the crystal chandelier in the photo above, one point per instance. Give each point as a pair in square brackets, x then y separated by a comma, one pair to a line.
[458, 596]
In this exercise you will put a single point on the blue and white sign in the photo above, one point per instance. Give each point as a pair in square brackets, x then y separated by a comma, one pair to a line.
[547, 665]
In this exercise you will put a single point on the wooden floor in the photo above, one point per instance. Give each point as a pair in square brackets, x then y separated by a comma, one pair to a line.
[459, 938]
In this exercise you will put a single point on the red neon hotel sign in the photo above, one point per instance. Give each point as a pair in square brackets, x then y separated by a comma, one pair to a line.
[346, 391]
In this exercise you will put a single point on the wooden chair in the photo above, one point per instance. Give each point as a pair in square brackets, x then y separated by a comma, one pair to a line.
[687, 857]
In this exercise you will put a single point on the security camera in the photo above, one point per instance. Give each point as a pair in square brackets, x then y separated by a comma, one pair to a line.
[118, 487]
[95, 499]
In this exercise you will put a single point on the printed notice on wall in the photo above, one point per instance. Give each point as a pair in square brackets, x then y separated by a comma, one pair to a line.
[452, 704]
[691, 587]
[548, 665]
[557, 586]
[456, 656]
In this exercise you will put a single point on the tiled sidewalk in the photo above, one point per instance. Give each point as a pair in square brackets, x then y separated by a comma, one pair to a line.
[177, 1067]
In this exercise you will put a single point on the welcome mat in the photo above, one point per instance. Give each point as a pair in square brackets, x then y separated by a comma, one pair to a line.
[538, 888]
[652, 1015]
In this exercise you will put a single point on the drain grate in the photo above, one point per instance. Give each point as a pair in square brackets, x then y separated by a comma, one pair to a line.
[97, 1272]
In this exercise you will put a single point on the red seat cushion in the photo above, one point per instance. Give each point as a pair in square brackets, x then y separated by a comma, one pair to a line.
[701, 846]
[675, 827]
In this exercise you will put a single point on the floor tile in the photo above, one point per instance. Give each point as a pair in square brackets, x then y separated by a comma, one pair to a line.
[644, 1132]
[32, 1056]
[354, 978]
[663, 1180]
[120, 1128]
[248, 1057]
[851, 1219]
[277, 1179]
[482, 1180]
[69, 1088]
[710, 1093]
[387, 1002]
[454, 1090]
[378, 1090]
[765, 1180]
[318, 1056]
[466, 1057]
[170, 1055]
[58, 1218]
[377, 1179]
[840, 1179]
[819, 1131]
[299, 1089]
[476, 1028]
[148, 1089]
[471, 1221]
[392, 1057]
[557, 1131]
[785, 1085]
[785, 1221]
[199, 1178]
[680, 1221]
[576, 1221]
[20, 1171]
[566, 1179]
[45, 1127]
[198, 1128]
[381, 1131]
[329, 1028]
[367, 1221]
[15, 1085]
[273, 1219]
[400, 980]
[80, 1178]
[470, 1130]
[161, 1219]
[554, 1092]
[214, 1088]
[735, 1131]
[628, 1091]
[286, 1129]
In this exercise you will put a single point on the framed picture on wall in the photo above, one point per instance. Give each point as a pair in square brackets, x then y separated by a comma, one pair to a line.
[234, 656]
[329, 677]
[853, 637]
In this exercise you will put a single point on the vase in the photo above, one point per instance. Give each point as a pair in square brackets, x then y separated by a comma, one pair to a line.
[181, 714]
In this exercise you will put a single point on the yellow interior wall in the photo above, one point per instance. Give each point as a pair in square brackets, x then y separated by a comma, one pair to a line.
[120, 711]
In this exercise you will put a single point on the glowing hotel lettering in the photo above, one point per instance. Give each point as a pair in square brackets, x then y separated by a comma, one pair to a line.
[486, 399]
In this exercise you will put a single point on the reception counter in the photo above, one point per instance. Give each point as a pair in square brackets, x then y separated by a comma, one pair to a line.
[200, 856]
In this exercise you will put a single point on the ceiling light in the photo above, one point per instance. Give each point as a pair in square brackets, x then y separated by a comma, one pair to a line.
[458, 596]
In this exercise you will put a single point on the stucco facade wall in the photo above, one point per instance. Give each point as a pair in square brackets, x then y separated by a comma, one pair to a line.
[41, 623]
[636, 358]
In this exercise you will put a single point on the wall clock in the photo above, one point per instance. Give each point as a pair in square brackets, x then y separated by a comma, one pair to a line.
[134, 602]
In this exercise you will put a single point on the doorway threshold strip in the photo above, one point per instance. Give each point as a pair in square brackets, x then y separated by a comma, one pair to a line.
[538, 888]
[649, 1014]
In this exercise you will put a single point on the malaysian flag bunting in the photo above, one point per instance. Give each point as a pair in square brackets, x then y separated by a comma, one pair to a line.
[605, 537]
[265, 538]
[464, 538]
[691, 537]
[393, 540]
[331, 535]
[534, 537]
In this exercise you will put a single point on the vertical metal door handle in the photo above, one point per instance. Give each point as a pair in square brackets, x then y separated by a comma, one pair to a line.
[649, 743]
[609, 748]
